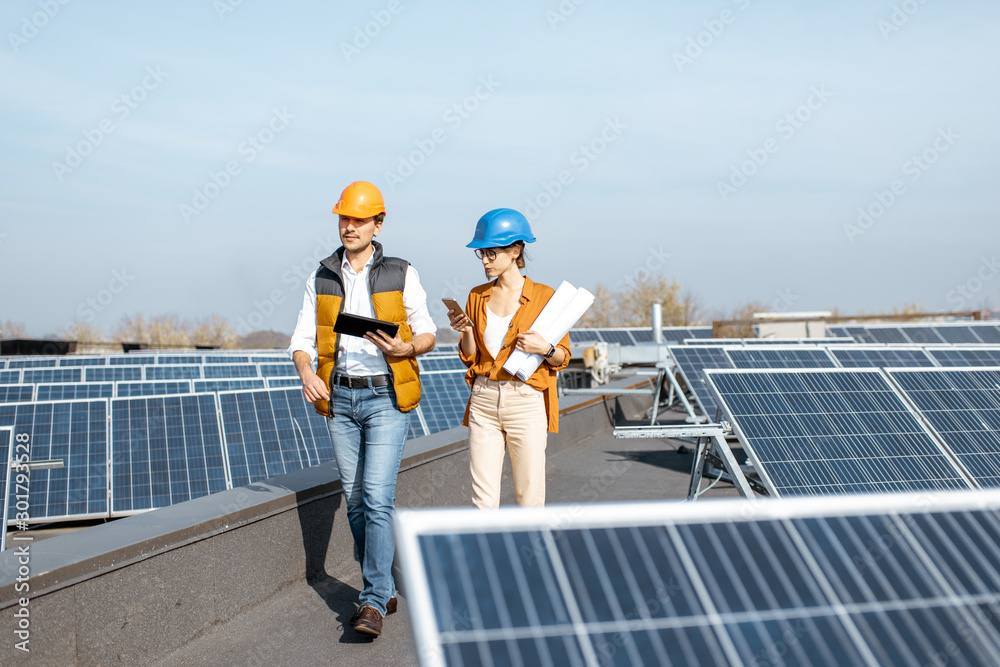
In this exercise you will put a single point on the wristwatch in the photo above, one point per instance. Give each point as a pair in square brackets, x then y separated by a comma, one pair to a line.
[552, 350]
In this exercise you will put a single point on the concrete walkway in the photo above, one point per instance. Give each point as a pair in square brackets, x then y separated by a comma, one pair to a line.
[307, 624]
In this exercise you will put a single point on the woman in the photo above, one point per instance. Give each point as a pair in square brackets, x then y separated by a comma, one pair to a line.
[504, 412]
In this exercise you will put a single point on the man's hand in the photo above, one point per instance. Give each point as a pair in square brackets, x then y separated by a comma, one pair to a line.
[314, 388]
[392, 347]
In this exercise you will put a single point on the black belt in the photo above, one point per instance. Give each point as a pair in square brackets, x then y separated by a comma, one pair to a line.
[360, 381]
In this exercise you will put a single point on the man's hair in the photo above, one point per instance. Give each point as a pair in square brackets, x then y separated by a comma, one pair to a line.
[379, 218]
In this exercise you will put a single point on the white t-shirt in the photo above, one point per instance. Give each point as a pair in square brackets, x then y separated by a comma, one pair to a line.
[496, 331]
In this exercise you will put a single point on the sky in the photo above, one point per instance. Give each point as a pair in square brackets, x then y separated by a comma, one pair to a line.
[183, 158]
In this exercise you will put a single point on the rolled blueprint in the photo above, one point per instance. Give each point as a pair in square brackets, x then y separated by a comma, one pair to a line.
[562, 311]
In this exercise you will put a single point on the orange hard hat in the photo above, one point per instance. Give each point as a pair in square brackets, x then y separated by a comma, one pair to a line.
[360, 199]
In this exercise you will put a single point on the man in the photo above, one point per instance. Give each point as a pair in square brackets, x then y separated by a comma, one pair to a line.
[365, 386]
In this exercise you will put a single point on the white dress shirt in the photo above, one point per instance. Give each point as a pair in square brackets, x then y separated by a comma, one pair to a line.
[357, 356]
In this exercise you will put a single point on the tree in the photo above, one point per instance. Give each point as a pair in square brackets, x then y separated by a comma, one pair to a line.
[630, 306]
[11, 330]
[213, 330]
[82, 332]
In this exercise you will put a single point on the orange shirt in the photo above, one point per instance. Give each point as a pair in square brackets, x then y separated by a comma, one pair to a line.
[534, 296]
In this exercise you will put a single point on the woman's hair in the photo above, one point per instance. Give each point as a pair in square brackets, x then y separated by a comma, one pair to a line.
[521, 257]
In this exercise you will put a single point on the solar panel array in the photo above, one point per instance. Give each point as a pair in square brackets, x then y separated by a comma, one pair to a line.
[172, 427]
[805, 583]
[921, 334]
[636, 335]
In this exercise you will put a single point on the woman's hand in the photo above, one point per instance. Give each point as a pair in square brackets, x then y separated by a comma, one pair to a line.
[460, 321]
[532, 342]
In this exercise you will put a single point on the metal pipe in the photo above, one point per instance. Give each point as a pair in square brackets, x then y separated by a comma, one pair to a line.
[657, 313]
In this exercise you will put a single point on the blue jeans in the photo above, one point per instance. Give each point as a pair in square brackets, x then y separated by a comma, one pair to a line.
[368, 435]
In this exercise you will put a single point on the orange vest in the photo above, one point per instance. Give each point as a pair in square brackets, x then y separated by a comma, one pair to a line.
[386, 279]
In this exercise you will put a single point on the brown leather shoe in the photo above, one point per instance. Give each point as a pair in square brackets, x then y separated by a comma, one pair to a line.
[390, 608]
[369, 622]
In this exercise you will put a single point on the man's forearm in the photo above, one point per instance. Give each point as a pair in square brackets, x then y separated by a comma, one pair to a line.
[423, 343]
[303, 362]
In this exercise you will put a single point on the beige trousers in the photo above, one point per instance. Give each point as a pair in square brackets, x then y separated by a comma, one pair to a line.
[507, 416]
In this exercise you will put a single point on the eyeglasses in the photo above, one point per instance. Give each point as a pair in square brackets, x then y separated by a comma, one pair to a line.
[489, 253]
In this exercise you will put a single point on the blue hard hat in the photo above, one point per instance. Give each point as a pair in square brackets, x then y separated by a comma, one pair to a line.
[500, 228]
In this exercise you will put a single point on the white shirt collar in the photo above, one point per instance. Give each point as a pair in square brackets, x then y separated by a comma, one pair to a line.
[345, 265]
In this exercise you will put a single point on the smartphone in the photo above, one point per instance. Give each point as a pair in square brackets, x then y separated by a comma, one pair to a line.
[452, 305]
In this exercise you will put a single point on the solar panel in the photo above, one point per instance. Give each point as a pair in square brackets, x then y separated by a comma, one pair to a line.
[620, 336]
[37, 375]
[832, 431]
[173, 372]
[583, 336]
[76, 433]
[3, 363]
[966, 356]
[220, 371]
[152, 388]
[113, 374]
[229, 384]
[838, 332]
[415, 428]
[83, 361]
[922, 335]
[226, 359]
[791, 583]
[16, 393]
[857, 356]
[10, 377]
[443, 397]
[780, 357]
[958, 334]
[440, 364]
[691, 361]
[642, 335]
[6, 439]
[281, 383]
[131, 360]
[74, 391]
[988, 333]
[963, 406]
[889, 335]
[32, 362]
[271, 359]
[444, 349]
[860, 334]
[283, 370]
[272, 432]
[165, 450]
[179, 359]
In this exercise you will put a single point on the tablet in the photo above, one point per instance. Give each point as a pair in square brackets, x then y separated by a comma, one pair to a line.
[356, 325]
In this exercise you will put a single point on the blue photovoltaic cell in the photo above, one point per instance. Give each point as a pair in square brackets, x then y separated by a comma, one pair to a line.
[958, 334]
[10, 377]
[963, 406]
[272, 432]
[76, 433]
[620, 336]
[860, 334]
[173, 373]
[445, 349]
[74, 391]
[583, 335]
[677, 334]
[131, 360]
[229, 384]
[220, 371]
[37, 375]
[881, 357]
[83, 361]
[839, 431]
[113, 374]
[440, 364]
[179, 359]
[32, 363]
[16, 393]
[985, 356]
[283, 370]
[642, 335]
[889, 335]
[692, 361]
[3, 363]
[165, 450]
[988, 333]
[922, 335]
[757, 357]
[226, 359]
[281, 383]
[838, 332]
[443, 400]
[700, 332]
[152, 388]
